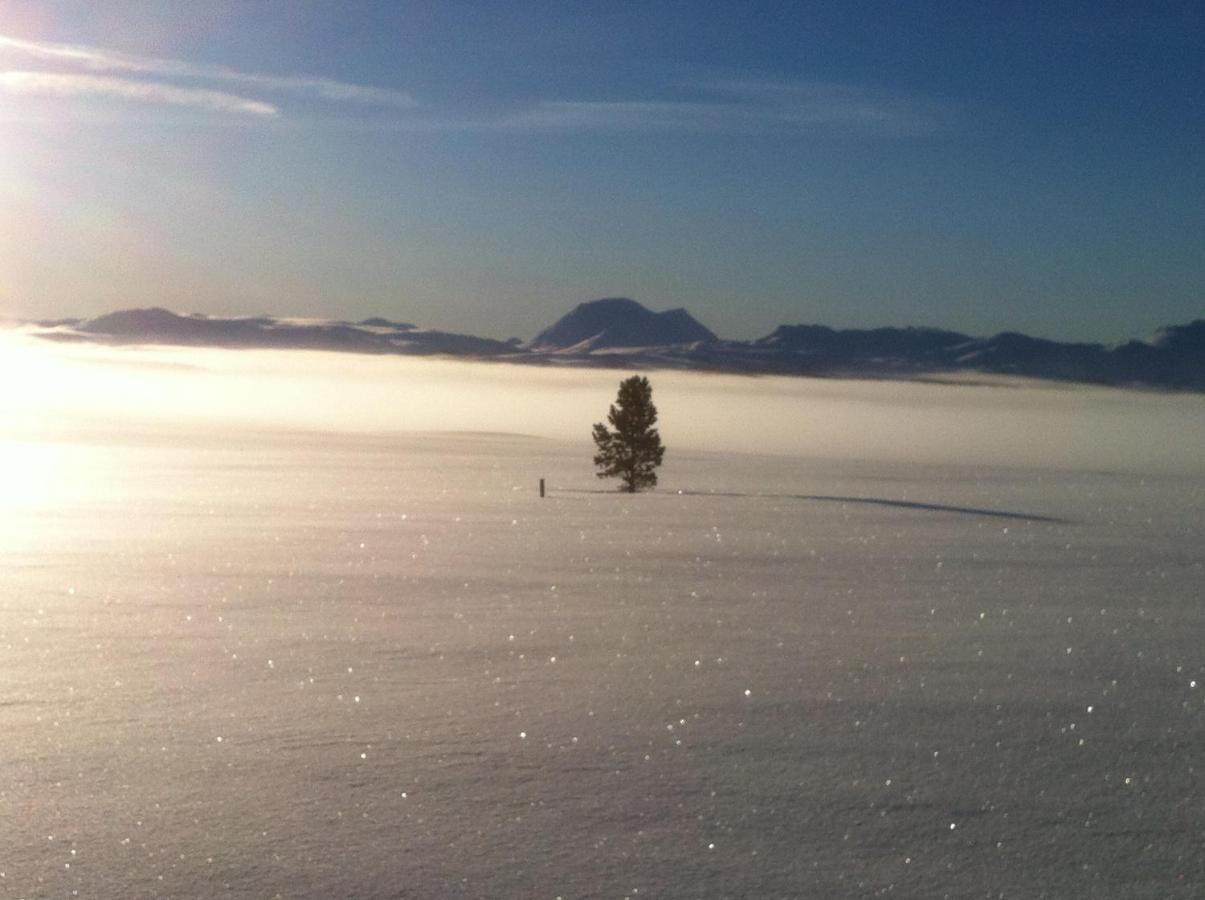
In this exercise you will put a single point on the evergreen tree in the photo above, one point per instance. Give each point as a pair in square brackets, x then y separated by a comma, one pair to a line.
[633, 450]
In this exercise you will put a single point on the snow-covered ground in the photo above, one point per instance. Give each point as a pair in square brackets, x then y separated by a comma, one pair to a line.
[292, 624]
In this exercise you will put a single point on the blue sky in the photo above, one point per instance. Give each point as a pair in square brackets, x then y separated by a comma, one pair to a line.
[484, 166]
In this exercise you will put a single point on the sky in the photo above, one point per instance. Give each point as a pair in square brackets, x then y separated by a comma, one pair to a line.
[483, 167]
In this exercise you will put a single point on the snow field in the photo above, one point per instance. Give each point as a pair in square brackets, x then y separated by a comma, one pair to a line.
[249, 662]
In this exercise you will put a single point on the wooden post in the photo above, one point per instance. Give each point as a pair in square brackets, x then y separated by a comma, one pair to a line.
[541, 487]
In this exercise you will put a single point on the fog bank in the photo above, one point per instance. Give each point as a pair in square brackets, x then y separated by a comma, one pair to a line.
[57, 388]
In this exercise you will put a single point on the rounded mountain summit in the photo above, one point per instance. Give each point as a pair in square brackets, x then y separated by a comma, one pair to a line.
[619, 322]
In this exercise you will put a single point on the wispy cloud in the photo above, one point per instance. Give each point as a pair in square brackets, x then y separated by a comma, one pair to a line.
[95, 59]
[60, 84]
[626, 115]
[734, 105]
[743, 106]
[835, 104]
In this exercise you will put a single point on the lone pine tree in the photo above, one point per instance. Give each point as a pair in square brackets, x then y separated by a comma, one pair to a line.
[632, 451]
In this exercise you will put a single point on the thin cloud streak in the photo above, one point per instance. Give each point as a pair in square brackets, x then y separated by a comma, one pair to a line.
[720, 106]
[96, 59]
[628, 115]
[837, 104]
[743, 107]
[59, 84]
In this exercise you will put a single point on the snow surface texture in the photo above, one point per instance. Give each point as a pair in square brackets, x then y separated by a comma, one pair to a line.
[243, 661]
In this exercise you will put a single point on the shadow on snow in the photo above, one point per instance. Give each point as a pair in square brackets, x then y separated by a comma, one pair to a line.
[873, 501]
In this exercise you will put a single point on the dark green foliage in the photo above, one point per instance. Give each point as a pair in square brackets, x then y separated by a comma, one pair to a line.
[632, 451]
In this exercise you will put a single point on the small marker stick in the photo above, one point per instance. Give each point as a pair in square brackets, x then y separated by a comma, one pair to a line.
[541, 487]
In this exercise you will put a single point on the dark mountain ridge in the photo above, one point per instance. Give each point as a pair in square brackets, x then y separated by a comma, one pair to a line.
[161, 326]
[621, 333]
[619, 322]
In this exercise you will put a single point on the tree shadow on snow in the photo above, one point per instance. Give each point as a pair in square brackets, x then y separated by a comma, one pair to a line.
[873, 501]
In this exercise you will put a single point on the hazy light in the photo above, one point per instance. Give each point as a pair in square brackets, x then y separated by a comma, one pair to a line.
[75, 386]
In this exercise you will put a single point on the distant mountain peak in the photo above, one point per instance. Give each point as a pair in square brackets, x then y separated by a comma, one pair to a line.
[620, 322]
[611, 304]
[1183, 338]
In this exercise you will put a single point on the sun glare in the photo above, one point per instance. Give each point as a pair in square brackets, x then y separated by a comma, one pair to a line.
[38, 381]
[38, 471]
[28, 471]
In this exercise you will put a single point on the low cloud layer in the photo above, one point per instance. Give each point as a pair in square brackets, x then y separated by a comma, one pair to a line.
[1013, 424]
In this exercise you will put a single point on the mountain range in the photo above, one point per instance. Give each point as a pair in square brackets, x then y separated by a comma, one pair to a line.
[621, 333]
